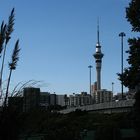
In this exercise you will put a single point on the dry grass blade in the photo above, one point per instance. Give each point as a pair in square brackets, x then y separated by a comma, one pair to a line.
[2, 36]
[15, 56]
[10, 25]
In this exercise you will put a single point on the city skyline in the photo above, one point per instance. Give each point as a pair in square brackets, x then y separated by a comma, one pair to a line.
[58, 40]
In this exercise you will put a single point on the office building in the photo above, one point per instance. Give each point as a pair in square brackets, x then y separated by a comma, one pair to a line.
[31, 98]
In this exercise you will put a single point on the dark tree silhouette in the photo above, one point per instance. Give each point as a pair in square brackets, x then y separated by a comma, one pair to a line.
[131, 75]
[133, 14]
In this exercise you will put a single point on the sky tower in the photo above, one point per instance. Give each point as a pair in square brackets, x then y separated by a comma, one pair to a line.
[98, 59]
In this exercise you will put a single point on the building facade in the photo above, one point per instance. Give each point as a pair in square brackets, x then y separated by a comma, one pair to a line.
[61, 100]
[102, 96]
[31, 98]
[53, 99]
[44, 99]
[79, 99]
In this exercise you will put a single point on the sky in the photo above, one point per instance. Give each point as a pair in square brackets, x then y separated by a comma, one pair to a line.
[58, 39]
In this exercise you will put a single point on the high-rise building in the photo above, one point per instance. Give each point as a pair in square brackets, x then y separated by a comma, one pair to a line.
[53, 99]
[44, 99]
[31, 98]
[79, 99]
[94, 87]
[61, 100]
[101, 96]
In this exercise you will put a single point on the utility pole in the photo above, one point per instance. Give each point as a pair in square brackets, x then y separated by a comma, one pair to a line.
[90, 78]
[122, 35]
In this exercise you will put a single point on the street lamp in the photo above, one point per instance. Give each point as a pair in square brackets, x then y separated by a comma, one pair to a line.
[112, 87]
[90, 77]
[122, 35]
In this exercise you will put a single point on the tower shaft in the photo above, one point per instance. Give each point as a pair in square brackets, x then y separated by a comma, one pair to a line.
[98, 60]
[98, 78]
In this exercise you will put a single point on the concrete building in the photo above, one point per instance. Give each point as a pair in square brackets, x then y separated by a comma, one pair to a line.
[53, 99]
[102, 96]
[31, 98]
[44, 99]
[93, 88]
[79, 99]
[60, 100]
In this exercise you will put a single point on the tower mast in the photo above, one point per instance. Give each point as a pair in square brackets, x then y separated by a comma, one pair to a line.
[98, 41]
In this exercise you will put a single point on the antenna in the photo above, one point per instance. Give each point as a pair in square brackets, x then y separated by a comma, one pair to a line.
[98, 31]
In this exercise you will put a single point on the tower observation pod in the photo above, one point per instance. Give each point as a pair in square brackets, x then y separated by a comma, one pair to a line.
[98, 55]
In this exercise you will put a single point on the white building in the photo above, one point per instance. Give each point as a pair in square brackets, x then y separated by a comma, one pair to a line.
[60, 100]
[101, 96]
[79, 99]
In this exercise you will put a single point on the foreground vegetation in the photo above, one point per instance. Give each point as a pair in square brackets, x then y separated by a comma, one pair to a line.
[18, 125]
[58, 126]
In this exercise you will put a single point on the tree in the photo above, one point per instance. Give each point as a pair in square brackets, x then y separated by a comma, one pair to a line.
[133, 15]
[131, 75]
